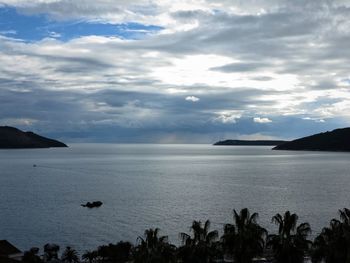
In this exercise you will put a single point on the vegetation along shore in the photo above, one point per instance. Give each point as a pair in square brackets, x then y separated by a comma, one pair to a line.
[243, 241]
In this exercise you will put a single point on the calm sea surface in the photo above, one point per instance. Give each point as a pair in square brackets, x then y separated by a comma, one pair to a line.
[165, 186]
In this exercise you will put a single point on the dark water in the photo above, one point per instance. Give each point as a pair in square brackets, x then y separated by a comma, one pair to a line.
[165, 186]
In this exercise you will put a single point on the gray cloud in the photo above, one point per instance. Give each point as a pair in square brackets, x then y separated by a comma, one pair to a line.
[240, 67]
[273, 60]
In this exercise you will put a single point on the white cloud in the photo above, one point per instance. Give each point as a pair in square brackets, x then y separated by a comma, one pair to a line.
[160, 12]
[208, 48]
[54, 34]
[193, 70]
[8, 32]
[262, 120]
[314, 119]
[227, 117]
[192, 98]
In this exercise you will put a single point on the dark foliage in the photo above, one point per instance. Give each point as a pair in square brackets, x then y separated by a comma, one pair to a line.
[153, 248]
[202, 246]
[32, 256]
[244, 239]
[333, 244]
[51, 251]
[90, 256]
[290, 245]
[70, 255]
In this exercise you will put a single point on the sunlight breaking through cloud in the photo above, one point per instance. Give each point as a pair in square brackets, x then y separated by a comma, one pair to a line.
[135, 67]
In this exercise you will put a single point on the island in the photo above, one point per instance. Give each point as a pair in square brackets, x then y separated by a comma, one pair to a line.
[337, 140]
[13, 138]
[249, 143]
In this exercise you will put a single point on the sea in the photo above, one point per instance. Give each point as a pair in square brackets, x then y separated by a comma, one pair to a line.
[160, 186]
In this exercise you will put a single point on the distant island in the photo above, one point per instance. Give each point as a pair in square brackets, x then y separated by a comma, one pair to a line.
[249, 143]
[337, 140]
[13, 138]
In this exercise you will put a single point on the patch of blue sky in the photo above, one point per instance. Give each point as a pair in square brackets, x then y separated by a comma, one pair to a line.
[33, 28]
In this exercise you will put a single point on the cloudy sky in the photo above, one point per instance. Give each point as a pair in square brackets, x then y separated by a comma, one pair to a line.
[174, 71]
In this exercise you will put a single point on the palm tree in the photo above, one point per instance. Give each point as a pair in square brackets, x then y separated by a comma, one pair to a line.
[202, 247]
[70, 255]
[333, 244]
[90, 256]
[51, 251]
[245, 239]
[328, 246]
[290, 245]
[153, 248]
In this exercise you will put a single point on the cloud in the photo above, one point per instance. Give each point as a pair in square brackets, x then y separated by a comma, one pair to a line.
[257, 136]
[241, 59]
[192, 98]
[17, 122]
[8, 32]
[228, 117]
[240, 67]
[54, 34]
[314, 119]
[262, 120]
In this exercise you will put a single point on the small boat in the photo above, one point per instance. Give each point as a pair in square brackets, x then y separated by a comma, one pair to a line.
[92, 204]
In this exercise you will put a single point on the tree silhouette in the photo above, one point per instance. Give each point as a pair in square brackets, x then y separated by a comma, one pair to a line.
[290, 244]
[120, 252]
[201, 246]
[245, 239]
[51, 251]
[153, 248]
[333, 244]
[31, 256]
[103, 253]
[70, 255]
[90, 256]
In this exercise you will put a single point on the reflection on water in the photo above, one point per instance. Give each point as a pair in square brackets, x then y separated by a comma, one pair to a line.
[165, 186]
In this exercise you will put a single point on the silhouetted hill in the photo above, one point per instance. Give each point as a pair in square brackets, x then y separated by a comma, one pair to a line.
[337, 140]
[249, 143]
[13, 138]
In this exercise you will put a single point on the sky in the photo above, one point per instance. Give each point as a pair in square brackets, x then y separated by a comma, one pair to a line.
[168, 71]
